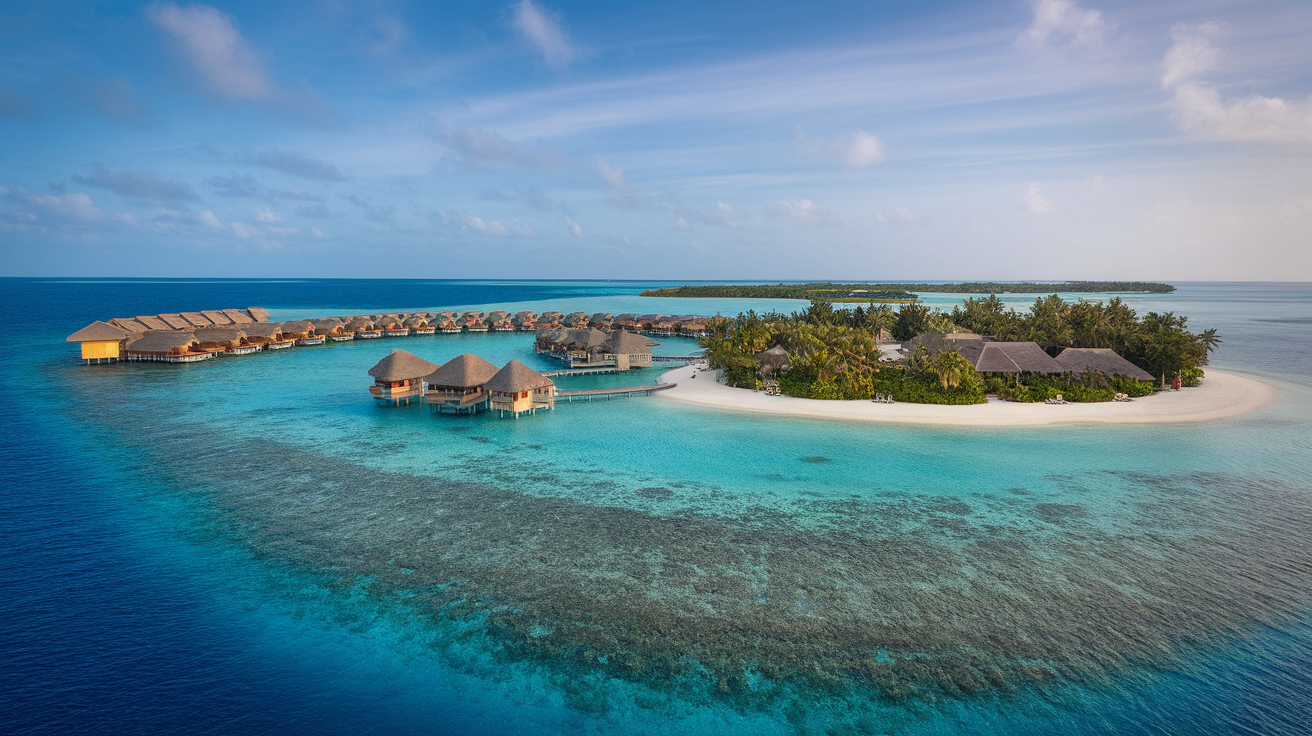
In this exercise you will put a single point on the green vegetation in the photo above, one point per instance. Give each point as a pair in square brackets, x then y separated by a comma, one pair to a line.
[830, 291]
[833, 352]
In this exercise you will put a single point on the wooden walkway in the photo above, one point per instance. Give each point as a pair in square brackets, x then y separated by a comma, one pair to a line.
[607, 393]
[675, 358]
[583, 371]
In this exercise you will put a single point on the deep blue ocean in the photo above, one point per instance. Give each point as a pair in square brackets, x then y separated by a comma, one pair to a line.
[249, 545]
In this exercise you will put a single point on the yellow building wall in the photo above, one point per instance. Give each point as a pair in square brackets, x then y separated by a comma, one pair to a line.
[99, 349]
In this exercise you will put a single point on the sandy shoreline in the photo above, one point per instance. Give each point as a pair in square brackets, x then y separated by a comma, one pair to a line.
[1221, 395]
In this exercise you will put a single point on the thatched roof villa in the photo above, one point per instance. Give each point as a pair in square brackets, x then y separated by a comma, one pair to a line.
[263, 332]
[1016, 357]
[459, 384]
[100, 342]
[219, 339]
[517, 389]
[166, 347]
[773, 361]
[399, 377]
[627, 350]
[1106, 361]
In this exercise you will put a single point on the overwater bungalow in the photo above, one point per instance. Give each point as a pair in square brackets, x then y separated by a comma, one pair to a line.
[525, 321]
[328, 326]
[418, 324]
[196, 319]
[100, 342]
[473, 322]
[259, 314]
[297, 329]
[238, 317]
[263, 333]
[692, 327]
[1078, 361]
[175, 322]
[459, 384]
[217, 317]
[393, 325]
[220, 339]
[174, 346]
[576, 320]
[517, 389]
[647, 321]
[626, 350]
[626, 322]
[399, 378]
[550, 319]
[449, 326]
[601, 320]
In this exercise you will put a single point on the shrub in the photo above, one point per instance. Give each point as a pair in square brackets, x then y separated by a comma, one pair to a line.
[1132, 387]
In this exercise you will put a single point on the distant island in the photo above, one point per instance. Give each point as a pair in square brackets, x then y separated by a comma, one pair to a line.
[886, 293]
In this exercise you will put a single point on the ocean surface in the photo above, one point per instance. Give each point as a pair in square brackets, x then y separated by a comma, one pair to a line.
[250, 545]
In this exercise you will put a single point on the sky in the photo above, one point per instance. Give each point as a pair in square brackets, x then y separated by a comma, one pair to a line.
[1044, 139]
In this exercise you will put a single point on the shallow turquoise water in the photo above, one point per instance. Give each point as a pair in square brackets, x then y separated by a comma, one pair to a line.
[640, 566]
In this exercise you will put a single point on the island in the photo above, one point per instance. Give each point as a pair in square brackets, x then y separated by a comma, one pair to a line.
[838, 292]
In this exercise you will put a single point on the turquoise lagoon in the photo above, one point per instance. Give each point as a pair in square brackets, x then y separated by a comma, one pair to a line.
[251, 545]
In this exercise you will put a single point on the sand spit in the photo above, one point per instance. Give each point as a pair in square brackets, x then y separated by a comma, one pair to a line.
[1220, 396]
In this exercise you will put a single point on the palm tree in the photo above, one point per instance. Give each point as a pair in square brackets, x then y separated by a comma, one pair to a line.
[951, 367]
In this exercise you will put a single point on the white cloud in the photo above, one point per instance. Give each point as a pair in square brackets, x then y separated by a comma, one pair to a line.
[265, 215]
[210, 41]
[857, 149]
[244, 231]
[1200, 111]
[209, 219]
[897, 216]
[492, 227]
[1035, 202]
[545, 32]
[1191, 53]
[801, 209]
[321, 235]
[611, 175]
[681, 223]
[282, 230]
[1058, 22]
[575, 228]
[66, 205]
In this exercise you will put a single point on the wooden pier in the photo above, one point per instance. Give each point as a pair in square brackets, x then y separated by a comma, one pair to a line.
[583, 371]
[607, 393]
[675, 358]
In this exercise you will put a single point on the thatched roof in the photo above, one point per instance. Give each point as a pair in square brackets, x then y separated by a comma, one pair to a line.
[359, 323]
[970, 346]
[550, 316]
[1015, 357]
[515, 377]
[627, 343]
[218, 334]
[259, 314]
[197, 319]
[153, 322]
[98, 331]
[462, 371]
[130, 324]
[262, 329]
[776, 357]
[1100, 360]
[160, 342]
[400, 365]
[175, 321]
[326, 325]
[238, 317]
[218, 318]
[297, 326]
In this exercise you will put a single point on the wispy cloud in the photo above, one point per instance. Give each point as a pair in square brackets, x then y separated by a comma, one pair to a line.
[50, 208]
[493, 227]
[857, 149]
[575, 228]
[488, 149]
[545, 31]
[896, 216]
[209, 40]
[145, 185]
[298, 164]
[1200, 110]
[265, 215]
[376, 211]
[1035, 202]
[801, 209]
[1063, 23]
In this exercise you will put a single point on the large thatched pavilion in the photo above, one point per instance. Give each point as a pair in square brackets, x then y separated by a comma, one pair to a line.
[517, 389]
[399, 378]
[1106, 361]
[459, 384]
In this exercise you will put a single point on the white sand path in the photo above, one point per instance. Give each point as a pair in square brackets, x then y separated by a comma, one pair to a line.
[1220, 395]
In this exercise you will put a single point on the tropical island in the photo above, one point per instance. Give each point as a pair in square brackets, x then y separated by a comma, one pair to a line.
[1087, 351]
[836, 292]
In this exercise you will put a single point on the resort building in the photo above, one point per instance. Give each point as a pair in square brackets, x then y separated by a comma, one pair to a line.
[165, 347]
[399, 378]
[593, 348]
[988, 356]
[260, 333]
[627, 350]
[518, 389]
[1106, 361]
[100, 342]
[219, 339]
[459, 384]
[525, 321]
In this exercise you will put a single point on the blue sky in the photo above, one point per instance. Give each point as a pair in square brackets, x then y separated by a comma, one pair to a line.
[545, 139]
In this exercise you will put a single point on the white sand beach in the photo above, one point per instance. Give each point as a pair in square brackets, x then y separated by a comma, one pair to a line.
[1220, 395]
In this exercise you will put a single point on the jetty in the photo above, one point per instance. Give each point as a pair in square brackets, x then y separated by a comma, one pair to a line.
[608, 393]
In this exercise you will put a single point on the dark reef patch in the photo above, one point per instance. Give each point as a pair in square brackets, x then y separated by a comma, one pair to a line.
[896, 595]
[816, 460]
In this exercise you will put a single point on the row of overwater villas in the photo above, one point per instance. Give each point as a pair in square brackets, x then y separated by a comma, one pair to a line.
[465, 384]
[192, 336]
[594, 348]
